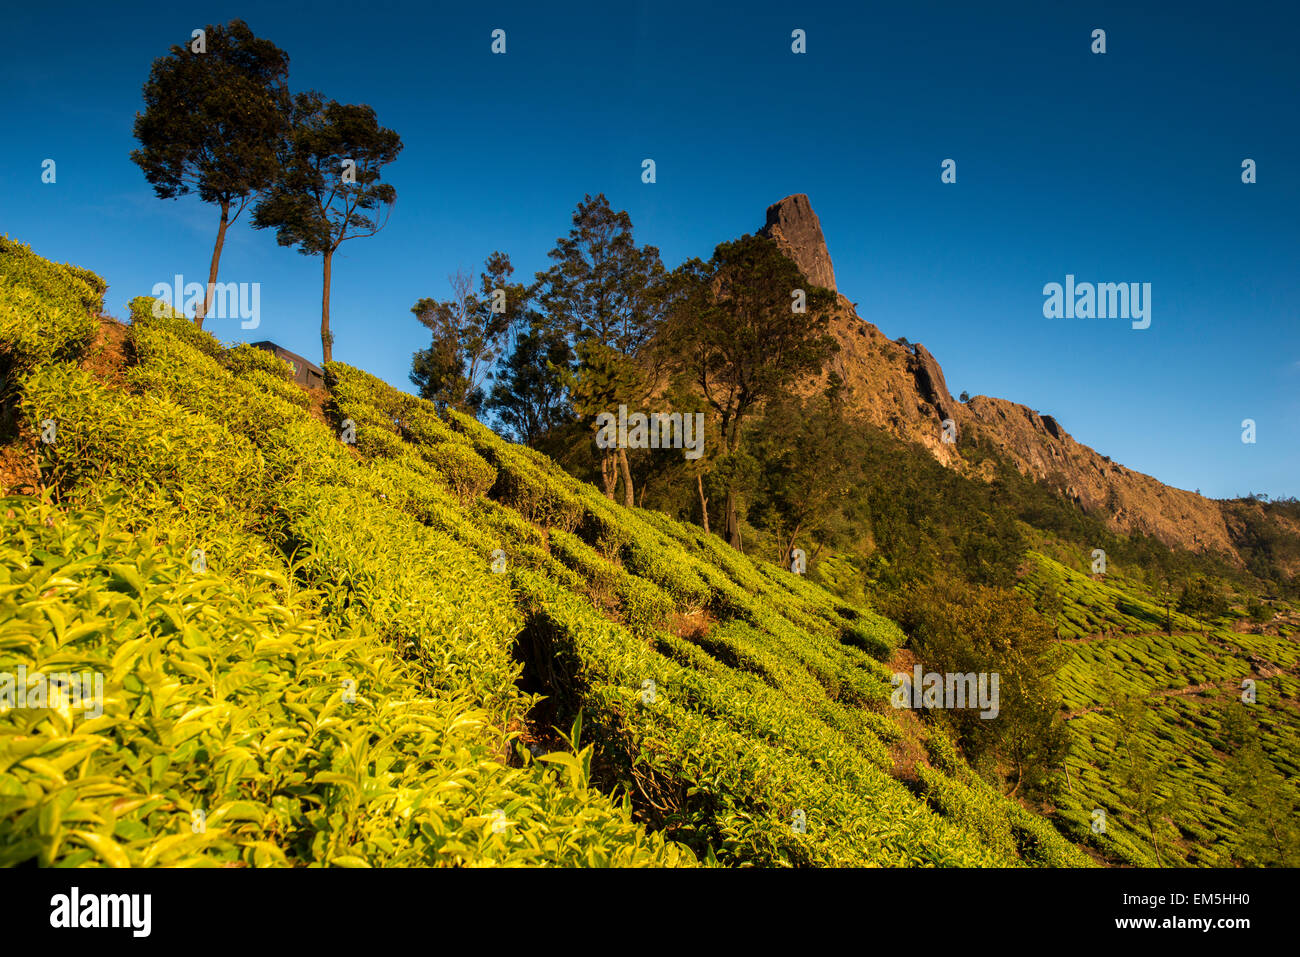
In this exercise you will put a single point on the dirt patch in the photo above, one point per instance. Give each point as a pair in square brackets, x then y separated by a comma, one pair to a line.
[1108, 635]
[691, 626]
[316, 406]
[106, 357]
[902, 661]
[909, 751]
[18, 474]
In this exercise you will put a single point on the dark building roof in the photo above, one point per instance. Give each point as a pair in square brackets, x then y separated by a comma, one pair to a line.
[305, 373]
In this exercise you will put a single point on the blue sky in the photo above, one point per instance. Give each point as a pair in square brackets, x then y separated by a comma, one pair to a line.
[1117, 167]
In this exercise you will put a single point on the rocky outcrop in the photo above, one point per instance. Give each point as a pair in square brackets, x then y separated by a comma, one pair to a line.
[929, 381]
[797, 231]
[900, 388]
[1126, 500]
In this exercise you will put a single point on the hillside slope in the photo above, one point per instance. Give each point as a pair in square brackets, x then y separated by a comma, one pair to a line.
[1162, 736]
[357, 635]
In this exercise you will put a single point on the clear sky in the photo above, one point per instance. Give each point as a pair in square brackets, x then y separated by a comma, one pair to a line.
[1117, 167]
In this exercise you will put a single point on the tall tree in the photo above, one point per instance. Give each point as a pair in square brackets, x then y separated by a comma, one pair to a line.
[809, 456]
[736, 329]
[528, 395]
[602, 286]
[958, 628]
[1266, 807]
[214, 114]
[602, 380]
[468, 335]
[329, 188]
[1143, 771]
[1200, 599]
[606, 291]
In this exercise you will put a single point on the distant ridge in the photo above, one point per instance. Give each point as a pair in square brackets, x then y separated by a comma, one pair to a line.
[900, 387]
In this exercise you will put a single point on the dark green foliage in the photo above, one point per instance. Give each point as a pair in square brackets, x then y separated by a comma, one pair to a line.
[328, 186]
[958, 629]
[528, 397]
[1200, 599]
[733, 330]
[468, 334]
[212, 122]
[212, 118]
[808, 459]
[604, 297]
[602, 287]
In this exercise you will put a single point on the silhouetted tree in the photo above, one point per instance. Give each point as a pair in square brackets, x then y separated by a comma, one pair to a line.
[1202, 601]
[528, 395]
[468, 335]
[329, 187]
[212, 123]
[604, 289]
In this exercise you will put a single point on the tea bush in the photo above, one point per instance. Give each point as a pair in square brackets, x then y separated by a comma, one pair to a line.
[243, 358]
[466, 473]
[239, 728]
[66, 288]
[45, 311]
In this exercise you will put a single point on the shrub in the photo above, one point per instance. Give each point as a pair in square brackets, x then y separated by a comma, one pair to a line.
[34, 331]
[466, 473]
[162, 454]
[158, 314]
[66, 288]
[243, 358]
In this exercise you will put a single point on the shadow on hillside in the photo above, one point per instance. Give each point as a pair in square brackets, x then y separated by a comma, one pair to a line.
[544, 675]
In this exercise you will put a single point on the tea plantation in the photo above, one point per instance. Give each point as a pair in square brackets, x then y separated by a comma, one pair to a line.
[1169, 763]
[351, 631]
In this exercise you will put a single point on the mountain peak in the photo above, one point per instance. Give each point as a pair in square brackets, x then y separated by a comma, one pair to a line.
[797, 231]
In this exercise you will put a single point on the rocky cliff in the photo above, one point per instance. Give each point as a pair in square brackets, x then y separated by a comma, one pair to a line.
[900, 387]
[797, 231]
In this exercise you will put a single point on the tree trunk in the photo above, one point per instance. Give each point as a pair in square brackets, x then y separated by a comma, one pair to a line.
[326, 339]
[609, 474]
[628, 498]
[733, 521]
[704, 502]
[202, 311]
[731, 435]
[787, 553]
[1155, 844]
